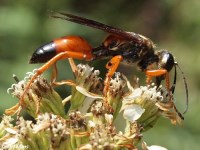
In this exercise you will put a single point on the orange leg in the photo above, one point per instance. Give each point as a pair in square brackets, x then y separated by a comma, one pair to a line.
[112, 66]
[159, 72]
[62, 55]
[154, 73]
[54, 77]
[73, 66]
[63, 82]
[167, 81]
[54, 74]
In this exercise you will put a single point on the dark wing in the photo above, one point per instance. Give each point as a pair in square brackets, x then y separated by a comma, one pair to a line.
[94, 24]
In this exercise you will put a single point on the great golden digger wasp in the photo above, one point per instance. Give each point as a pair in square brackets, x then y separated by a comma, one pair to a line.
[118, 46]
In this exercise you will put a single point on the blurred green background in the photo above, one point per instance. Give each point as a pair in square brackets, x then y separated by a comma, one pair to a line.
[171, 24]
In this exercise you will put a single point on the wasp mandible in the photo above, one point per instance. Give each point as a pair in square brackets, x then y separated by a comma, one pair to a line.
[118, 46]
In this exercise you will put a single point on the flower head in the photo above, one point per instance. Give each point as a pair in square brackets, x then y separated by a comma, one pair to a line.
[40, 97]
[90, 121]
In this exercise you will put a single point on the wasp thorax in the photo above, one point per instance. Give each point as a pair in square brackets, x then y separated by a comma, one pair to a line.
[166, 60]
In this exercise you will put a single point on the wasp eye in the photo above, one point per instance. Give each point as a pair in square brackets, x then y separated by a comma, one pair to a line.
[166, 60]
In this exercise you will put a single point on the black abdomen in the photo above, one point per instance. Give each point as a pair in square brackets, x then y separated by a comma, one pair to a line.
[44, 53]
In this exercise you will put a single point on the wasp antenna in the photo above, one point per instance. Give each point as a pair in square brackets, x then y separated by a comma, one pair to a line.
[172, 89]
[186, 87]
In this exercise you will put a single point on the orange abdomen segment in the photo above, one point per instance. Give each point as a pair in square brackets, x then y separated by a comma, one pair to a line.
[79, 48]
[72, 43]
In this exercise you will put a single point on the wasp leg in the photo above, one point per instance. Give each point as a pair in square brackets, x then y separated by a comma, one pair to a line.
[73, 66]
[154, 73]
[112, 66]
[160, 72]
[58, 83]
[63, 82]
[167, 82]
[54, 74]
[52, 61]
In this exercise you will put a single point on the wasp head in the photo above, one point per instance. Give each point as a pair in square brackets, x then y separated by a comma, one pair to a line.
[166, 60]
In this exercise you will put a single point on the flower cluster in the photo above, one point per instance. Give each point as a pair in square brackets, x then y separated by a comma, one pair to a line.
[39, 98]
[89, 123]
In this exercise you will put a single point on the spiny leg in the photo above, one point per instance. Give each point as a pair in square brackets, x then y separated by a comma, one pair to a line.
[112, 66]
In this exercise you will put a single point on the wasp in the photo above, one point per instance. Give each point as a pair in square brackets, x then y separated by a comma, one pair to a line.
[119, 46]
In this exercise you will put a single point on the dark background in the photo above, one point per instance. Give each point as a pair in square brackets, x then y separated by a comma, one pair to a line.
[172, 24]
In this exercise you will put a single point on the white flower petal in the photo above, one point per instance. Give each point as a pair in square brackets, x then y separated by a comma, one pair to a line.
[9, 142]
[41, 126]
[91, 124]
[109, 118]
[86, 147]
[87, 103]
[135, 94]
[133, 112]
[87, 93]
[11, 131]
